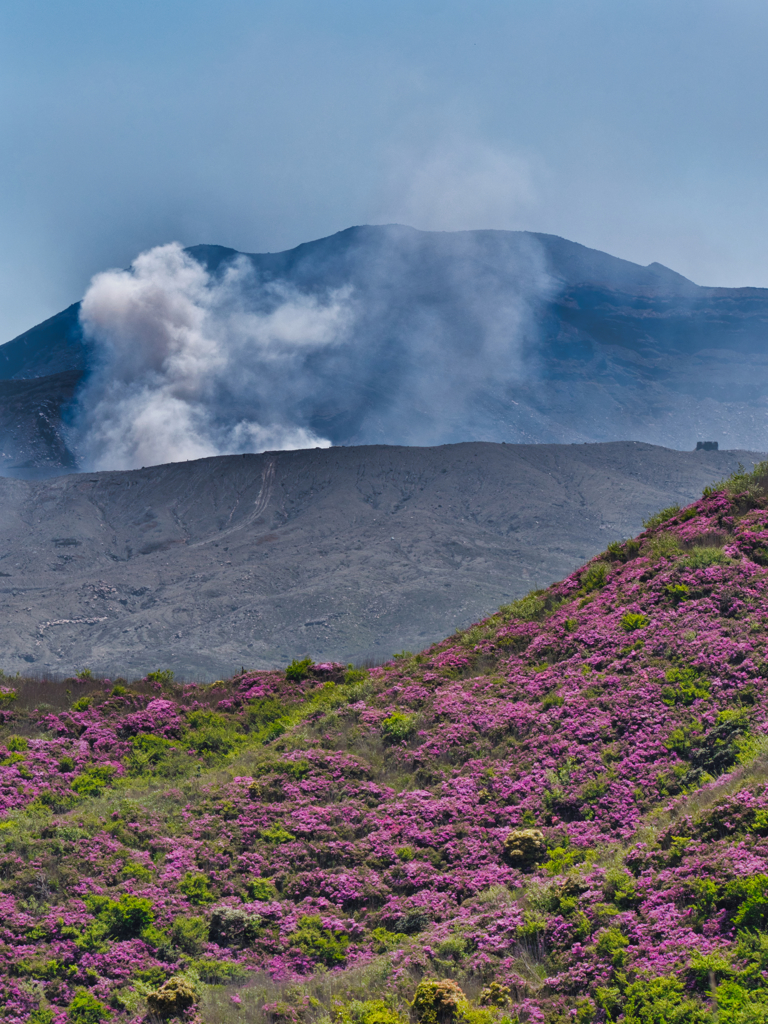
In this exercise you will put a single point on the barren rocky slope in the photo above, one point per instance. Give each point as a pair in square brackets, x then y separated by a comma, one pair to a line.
[346, 553]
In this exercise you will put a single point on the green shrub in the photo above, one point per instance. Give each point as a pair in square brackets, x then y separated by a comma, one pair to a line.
[662, 1000]
[118, 691]
[135, 869]
[398, 727]
[660, 517]
[277, 834]
[702, 558]
[751, 951]
[261, 889]
[220, 972]
[152, 976]
[681, 740]
[631, 621]
[94, 780]
[595, 576]
[439, 1002]
[472, 636]
[623, 552]
[263, 712]
[17, 743]
[677, 847]
[612, 945]
[85, 1008]
[452, 948]
[41, 1016]
[164, 676]
[495, 994]
[195, 887]
[552, 700]
[234, 927]
[200, 718]
[594, 789]
[298, 770]
[741, 482]
[212, 736]
[172, 998]
[385, 940]
[190, 934]
[131, 915]
[66, 764]
[563, 858]
[686, 686]
[147, 752]
[664, 545]
[321, 944]
[12, 759]
[372, 1011]
[677, 592]
[82, 704]
[298, 670]
[748, 899]
[704, 895]
[738, 1005]
[722, 746]
[527, 608]
[625, 895]
[707, 969]
[354, 676]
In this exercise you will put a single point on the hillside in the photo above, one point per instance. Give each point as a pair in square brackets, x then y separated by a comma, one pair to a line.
[345, 554]
[558, 814]
[453, 336]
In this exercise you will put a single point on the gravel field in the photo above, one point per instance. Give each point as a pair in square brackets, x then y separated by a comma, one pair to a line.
[342, 554]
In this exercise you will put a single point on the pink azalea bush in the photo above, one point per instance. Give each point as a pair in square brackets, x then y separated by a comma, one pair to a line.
[562, 810]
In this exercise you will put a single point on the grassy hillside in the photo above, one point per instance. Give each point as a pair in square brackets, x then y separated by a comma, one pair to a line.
[560, 814]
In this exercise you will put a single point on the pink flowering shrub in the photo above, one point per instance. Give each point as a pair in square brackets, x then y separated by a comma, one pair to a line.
[159, 840]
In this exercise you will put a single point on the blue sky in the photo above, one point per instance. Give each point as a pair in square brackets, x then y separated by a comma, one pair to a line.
[634, 127]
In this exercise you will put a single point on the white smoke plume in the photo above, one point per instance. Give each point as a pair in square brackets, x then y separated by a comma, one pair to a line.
[188, 364]
[380, 335]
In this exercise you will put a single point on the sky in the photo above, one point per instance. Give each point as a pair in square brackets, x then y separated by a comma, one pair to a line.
[637, 127]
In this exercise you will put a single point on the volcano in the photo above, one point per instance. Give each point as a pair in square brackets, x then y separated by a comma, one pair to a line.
[603, 349]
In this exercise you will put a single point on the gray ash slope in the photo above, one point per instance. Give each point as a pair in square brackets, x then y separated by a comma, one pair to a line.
[345, 553]
[601, 348]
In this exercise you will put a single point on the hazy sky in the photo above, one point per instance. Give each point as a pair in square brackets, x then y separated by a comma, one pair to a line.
[634, 126]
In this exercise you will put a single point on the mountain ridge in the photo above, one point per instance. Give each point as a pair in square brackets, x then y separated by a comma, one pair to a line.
[31, 342]
[343, 553]
[607, 349]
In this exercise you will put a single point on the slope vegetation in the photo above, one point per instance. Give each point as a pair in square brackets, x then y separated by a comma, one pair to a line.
[560, 813]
